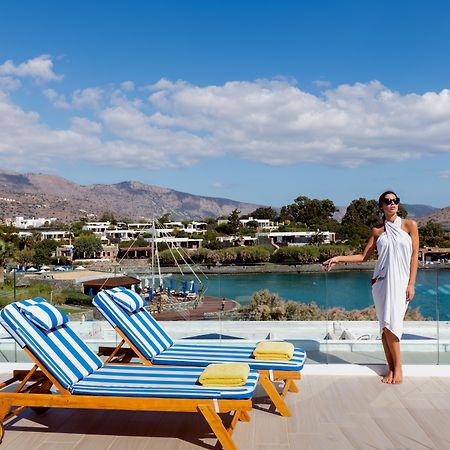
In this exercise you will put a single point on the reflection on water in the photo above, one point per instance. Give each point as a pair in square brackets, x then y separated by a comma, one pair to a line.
[349, 289]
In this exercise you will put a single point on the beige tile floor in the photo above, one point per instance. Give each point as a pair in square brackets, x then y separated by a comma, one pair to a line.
[329, 412]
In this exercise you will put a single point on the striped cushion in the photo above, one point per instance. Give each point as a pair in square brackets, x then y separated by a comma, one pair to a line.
[140, 327]
[152, 340]
[60, 350]
[43, 314]
[202, 355]
[127, 299]
[144, 381]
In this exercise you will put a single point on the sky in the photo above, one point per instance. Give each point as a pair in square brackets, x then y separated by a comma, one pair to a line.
[257, 102]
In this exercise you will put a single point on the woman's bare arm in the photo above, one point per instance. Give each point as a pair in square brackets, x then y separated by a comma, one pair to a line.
[364, 256]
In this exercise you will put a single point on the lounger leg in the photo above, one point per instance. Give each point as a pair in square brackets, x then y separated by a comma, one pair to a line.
[239, 415]
[217, 427]
[292, 386]
[4, 410]
[273, 394]
[244, 417]
[289, 386]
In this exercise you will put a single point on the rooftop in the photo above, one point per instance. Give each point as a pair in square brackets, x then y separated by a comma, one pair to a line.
[330, 411]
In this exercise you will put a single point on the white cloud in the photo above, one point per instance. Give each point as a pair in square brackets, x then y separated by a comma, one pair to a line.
[81, 98]
[127, 86]
[266, 121]
[9, 84]
[87, 98]
[444, 174]
[322, 83]
[39, 68]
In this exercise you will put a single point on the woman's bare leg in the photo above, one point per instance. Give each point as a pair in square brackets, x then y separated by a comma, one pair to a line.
[390, 362]
[394, 348]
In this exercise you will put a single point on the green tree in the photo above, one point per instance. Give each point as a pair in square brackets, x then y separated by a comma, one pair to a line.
[108, 216]
[264, 212]
[25, 256]
[234, 221]
[87, 246]
[431, 235]
[361, 216]
[43, 251]
[165, 218]
[313, 213]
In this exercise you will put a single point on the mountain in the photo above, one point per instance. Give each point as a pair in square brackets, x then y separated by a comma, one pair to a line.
[419, 210]
[414, 211]
[441, 216]
[39, 195]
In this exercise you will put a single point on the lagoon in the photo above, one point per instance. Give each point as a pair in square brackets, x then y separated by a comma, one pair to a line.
[346, 289]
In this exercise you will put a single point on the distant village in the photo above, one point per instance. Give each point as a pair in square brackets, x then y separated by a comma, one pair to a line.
[186, 235]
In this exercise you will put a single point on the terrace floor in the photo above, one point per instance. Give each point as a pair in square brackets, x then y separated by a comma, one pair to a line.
[330, 411]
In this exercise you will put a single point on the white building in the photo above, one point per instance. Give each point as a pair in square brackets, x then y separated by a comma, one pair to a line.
[190, 228]
[57, 235]
[96, 227]
[23, 223]
[263, 224]
[288, 238]
[177, 242]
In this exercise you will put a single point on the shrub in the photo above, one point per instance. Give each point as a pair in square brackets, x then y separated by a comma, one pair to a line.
[73, 297]
[269, 306]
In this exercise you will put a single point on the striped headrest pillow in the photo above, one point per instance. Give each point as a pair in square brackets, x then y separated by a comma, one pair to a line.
[43, 314]
[127, 299]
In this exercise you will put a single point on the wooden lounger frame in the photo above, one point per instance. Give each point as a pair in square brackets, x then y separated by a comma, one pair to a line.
[124, 355]
[34, 391]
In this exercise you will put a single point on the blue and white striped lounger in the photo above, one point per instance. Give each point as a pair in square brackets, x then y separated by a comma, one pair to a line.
[125, 311]
[69, 365]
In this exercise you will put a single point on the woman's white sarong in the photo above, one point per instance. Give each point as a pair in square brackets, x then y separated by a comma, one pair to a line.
[392, 272]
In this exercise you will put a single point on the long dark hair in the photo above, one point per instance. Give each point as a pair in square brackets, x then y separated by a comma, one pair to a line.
[380, 201]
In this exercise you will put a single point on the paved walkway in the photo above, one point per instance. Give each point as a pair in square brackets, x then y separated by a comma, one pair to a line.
[338, 412]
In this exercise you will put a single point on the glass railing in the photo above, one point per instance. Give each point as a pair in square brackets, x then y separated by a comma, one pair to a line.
[330, 315]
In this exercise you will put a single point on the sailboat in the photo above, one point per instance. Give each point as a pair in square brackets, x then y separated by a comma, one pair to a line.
[169, 289]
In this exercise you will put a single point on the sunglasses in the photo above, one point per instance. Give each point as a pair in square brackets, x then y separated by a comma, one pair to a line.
[389, 201]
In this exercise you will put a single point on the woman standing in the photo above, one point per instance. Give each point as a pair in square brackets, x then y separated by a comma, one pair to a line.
[397, 243]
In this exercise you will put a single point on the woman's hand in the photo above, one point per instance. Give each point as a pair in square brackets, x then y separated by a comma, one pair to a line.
[410, 292]
[329, 263]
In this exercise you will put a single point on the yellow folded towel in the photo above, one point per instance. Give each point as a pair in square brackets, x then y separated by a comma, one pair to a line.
[274, 350]
[226, 374]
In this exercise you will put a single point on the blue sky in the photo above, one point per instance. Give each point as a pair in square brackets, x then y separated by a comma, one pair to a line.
[258, 102]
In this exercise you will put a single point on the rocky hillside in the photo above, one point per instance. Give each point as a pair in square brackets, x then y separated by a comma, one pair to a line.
[38, 195]
[441, 216]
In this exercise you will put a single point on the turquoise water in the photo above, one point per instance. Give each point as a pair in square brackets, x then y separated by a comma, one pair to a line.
[349, 289]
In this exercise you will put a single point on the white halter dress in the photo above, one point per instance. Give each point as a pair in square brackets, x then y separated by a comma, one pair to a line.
[392, 272]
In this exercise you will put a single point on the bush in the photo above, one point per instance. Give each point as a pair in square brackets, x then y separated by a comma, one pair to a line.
[308, 254]
[269, 306]
[73, 297]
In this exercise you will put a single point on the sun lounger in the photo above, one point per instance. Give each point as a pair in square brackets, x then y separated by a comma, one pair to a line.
[147, 339]
[68, 374]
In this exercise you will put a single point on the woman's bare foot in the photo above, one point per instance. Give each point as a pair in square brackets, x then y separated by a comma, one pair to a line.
[398, 376]
[387, 379]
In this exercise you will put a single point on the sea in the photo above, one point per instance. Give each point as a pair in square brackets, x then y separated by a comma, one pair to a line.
[347, 289]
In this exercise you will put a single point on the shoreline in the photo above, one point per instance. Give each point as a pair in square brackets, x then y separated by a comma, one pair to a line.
[142, 267]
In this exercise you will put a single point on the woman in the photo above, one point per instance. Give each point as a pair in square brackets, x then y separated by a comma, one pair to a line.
[397, 243]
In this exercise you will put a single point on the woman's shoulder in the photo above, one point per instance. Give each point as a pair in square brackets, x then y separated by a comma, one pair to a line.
[409, 224]
[378, 230]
